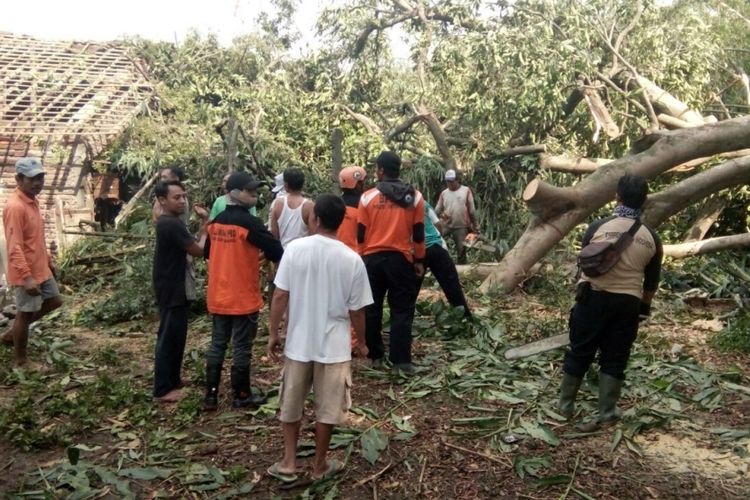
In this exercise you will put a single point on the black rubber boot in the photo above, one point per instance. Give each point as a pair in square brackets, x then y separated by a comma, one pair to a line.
[243, 396]
[213, 378]
[609, 394]
[568, 390]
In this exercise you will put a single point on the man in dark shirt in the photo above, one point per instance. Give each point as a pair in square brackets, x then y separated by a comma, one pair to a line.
[608, 307]
[173, 244]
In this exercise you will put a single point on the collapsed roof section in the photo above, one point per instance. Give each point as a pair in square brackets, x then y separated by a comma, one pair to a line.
[62, 90]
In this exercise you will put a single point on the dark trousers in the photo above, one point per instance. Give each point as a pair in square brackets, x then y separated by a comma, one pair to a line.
[241, 330]
[391, 273]
[438, 260]
[606, 323]
[170, 347]
[458, 235]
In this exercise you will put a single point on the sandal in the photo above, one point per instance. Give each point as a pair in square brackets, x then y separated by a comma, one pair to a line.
[284, 477]
[334, 467]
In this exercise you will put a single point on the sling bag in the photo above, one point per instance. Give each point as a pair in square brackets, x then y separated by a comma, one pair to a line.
[596, 259]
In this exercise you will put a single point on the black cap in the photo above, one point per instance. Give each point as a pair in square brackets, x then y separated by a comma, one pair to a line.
[241, 180]
[390, 162]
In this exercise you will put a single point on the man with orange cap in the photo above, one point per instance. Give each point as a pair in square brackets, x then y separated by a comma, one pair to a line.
[352, 183]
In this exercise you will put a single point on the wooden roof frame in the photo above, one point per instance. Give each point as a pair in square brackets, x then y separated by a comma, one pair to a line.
[62, 90]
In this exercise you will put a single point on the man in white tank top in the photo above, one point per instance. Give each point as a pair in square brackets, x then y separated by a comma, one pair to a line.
[291, 214]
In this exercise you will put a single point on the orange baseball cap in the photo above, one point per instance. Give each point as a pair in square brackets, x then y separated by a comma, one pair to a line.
[350, 176]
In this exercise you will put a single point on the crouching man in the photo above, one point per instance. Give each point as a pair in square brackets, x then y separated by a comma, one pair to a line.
[324, 283]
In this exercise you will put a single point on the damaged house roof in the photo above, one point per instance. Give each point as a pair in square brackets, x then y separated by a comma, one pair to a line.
[61, 89]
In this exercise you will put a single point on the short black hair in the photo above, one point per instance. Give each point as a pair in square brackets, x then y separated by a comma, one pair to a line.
[330, 209]
[177, 172]
[390, 162]
[162, 188]
[294, 178]
[633, 190]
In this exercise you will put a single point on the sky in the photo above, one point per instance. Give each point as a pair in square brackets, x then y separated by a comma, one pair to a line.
[168, 20]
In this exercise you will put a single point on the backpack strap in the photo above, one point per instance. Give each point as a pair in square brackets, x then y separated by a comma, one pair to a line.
[627, 238]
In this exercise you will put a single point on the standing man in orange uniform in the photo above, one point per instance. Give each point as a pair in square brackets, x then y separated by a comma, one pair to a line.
[29, 265]
[352, 183]
[390, 233]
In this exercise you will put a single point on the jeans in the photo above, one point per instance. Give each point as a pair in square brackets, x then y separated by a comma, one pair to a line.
[438, 260]
[241, 329]
[392, 274]
[170, 347]
[606, 323]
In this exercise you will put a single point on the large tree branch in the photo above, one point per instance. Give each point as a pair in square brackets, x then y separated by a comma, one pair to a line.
[682, 250]
[662, 205]
[667, 149]
[370, 125]
[579, 166]
[439, 135]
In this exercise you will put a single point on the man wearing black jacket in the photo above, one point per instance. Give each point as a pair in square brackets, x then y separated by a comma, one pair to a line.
[609, 307]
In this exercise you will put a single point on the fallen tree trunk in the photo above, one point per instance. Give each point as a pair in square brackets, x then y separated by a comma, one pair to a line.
[662, 205]
[481, 270]
[682, 250]
[549, 224]
[579, 166]
[707, 216]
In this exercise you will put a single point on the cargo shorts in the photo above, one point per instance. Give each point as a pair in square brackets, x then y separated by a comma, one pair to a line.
[331, 384]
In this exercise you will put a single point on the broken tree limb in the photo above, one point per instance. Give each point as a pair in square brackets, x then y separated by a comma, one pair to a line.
[665, 150]
[337, 157]
[439, 135]
[545, 200]
[523, 150]
[371, 126]
[707, 216]
[667, 102]
[600, 112]
[662, 205]
[578, 166]
[402, 127]
[672, 122]
[130, 205]
[682, 250]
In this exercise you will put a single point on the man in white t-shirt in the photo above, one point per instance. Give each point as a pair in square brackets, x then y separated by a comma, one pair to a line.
[456, 208]
[325, 286]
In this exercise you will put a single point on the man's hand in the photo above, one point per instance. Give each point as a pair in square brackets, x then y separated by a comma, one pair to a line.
[201, 211]
[361, 350]
[274, 346]
[419, 269]
[31, 287]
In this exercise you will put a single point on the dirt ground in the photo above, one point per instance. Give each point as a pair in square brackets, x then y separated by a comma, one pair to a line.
[442, 458]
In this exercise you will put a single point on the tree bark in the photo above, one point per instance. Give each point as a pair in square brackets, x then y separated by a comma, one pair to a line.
[682, 250]
[580, 166]
[337, 160]
[662, 205]
[523, 150]
[708, 214]
[665, 150]
[441, 138]
[667, 102]
[672, 122]
[600, 112]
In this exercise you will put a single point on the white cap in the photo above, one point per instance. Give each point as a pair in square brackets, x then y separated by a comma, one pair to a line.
[278, 183]
[450, 175]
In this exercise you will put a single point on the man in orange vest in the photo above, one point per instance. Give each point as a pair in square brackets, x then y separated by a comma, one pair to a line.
[390, 232]
[352, 183]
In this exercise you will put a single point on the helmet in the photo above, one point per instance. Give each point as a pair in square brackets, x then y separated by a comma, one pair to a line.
[350, 176]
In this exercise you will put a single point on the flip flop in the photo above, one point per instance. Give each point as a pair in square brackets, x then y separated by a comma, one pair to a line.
[334, 467]
[284, 477]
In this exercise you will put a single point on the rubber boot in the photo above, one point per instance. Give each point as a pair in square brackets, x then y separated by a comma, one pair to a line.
[213, 378]
[609, 394]
[568, 390]
[243, 396]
